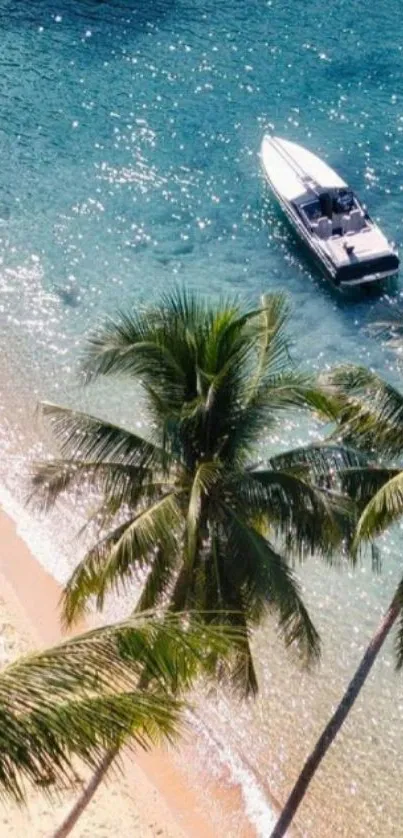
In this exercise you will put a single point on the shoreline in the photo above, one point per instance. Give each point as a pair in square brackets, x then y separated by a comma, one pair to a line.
[30, 596]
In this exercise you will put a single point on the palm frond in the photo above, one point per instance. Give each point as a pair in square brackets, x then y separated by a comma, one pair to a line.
[85, 437]
[81, 698]
[310, 519]
[222, 337]
[384, 509]
[210, 588]
[269, 330]
[361, 484]
[266, 577]
[242, 670]
[38, 745]
[113, 561]
[130, 344]
[275, 382]
[208, 425]
[263, 412]
[155, 347]
[205, 478]
[114, 657]
[119, 484]
[155, 590]
[180, 305]
[370, 411]
[321, 460]
[291, 389]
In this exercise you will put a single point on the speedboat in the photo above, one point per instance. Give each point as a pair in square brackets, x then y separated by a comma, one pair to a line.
[326, 214]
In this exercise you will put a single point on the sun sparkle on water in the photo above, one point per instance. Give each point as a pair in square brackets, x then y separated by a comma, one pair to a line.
[129, 136]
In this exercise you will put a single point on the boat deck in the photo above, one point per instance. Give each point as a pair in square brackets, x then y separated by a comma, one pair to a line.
[367, 243]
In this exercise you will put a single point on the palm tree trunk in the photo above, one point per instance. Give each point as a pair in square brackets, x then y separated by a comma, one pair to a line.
[86, 795]
[88, 792]
[333, 726]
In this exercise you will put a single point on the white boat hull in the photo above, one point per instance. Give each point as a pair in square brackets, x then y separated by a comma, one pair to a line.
[350, 248]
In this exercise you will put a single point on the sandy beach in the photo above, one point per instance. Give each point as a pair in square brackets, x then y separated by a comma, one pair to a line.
[150, 797]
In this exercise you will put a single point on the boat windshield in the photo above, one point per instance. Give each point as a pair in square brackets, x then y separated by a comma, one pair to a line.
[331, 203]
[312, 209]
[343, 201]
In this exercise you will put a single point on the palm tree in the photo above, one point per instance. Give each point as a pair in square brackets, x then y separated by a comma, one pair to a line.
[188, 505]
[371, 417]
[82, 698]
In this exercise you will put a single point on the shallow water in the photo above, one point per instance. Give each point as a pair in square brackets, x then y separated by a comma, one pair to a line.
[129, 135]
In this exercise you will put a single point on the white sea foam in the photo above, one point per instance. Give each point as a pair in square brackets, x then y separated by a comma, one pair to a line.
[258, 807]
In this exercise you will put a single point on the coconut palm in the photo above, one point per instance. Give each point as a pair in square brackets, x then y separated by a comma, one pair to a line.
[371, 417]
[187, 505]
[82, 698]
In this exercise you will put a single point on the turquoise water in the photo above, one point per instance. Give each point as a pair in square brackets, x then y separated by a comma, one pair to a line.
[129, 134]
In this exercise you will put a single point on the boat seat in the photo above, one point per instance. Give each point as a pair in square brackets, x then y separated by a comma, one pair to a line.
[354, 222]
[323, 227]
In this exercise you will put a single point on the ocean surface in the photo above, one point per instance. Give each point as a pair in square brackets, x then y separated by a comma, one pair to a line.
[129, 138]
